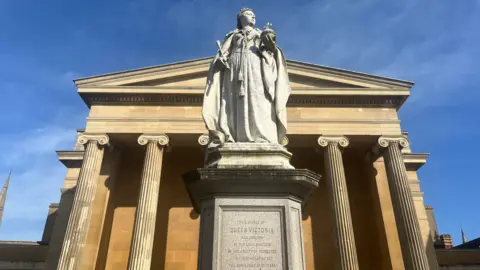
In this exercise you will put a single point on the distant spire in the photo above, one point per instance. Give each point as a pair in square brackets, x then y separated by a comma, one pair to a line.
[3, 196]
[464, 238]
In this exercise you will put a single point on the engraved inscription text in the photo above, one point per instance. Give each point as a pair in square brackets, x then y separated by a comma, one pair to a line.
[251, 240]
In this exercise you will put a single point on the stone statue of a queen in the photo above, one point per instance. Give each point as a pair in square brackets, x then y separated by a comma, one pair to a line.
[247, 87]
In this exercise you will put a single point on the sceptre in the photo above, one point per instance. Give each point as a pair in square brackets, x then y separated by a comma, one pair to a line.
[221, 53]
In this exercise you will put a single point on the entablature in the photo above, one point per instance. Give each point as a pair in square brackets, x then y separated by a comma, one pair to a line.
[414, 161]
[316, 97]
[70, 158]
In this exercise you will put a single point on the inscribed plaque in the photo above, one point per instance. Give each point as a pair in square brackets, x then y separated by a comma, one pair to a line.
[252, 239]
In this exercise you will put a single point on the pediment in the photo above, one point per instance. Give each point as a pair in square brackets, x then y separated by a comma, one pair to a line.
[192, 75]
[197, 80]
[184, 83]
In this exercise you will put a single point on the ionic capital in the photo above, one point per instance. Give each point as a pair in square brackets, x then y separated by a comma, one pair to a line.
[204, 139]
[101, 139]
[385, 141]
[382, 144]
[161, 139]
[342, 141]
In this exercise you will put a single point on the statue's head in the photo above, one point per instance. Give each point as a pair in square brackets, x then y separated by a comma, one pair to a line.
[245, 17]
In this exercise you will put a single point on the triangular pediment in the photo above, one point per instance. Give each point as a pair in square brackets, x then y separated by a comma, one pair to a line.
[197, 80]
[192, 75]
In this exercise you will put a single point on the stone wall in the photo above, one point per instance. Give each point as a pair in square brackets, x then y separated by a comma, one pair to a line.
[461, 267]
[458, 259]
[177, 228]
[22, 255]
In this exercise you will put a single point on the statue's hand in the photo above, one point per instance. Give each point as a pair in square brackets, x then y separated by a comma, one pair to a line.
[269, 40]
[222, 62]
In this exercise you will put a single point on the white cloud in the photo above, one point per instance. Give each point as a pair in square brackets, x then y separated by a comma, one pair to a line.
[35, 129]
[434, 44]
[30, 192]
[35, 144]
[28, 74]
[36, 179]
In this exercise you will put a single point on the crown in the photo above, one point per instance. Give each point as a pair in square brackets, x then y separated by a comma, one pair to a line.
[268, 28]
[243, 10]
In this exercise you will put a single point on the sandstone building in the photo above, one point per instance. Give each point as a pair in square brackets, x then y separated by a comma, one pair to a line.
[166, 100]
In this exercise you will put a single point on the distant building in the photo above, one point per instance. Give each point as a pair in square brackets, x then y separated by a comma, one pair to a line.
[460, 257]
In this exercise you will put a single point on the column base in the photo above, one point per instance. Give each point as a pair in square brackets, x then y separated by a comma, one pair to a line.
[250, 218]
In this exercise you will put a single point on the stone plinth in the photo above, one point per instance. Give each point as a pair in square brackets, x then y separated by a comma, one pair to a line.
[252, 155]
[250, 218]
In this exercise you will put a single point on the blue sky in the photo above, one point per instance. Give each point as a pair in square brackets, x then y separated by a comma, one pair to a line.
[46, 44]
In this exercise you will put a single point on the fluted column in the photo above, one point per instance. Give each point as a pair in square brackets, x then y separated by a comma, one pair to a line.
[79, 220]
[338, 197]
[413, 250]
[145, 216]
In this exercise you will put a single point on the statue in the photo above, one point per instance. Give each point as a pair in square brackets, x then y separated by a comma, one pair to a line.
[247, 87]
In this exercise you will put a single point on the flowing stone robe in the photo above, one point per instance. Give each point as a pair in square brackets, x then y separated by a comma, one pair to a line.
[246, 102]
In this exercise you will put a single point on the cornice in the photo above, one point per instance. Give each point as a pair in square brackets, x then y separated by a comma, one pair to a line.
[199, 89]
[417, 194]
[199, 119]
[414, 161]
[304, 100]
[347, 74]
[145, 71]
[70, 158]
[5, 244]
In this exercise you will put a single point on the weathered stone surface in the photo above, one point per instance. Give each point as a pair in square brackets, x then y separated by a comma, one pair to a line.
[144, 228]
[250, 155]
[204, 183]
[339, 203]
[413, 250]
[251, 233]
[250, 218]
[251, 237]
[247, 89]
[76, 233]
